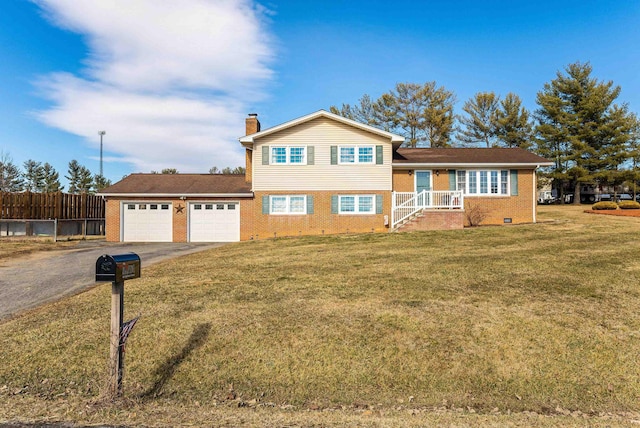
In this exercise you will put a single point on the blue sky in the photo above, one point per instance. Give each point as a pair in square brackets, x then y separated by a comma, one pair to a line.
[171, 82]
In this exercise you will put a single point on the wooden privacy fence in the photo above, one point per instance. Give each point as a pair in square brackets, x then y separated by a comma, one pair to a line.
[43, 206]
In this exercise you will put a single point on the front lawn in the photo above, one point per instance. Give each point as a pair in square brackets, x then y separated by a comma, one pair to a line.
[17, 246]
[456, 327]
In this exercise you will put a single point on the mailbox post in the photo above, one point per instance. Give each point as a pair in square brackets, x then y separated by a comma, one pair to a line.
[117, 269]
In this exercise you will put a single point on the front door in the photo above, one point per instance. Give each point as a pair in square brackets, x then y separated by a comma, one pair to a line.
[423, 181]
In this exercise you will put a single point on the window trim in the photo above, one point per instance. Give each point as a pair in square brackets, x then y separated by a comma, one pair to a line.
[288, 204]
[288, 154]
[356, 203]
[461, 178]
[356, 154]
[483, 179]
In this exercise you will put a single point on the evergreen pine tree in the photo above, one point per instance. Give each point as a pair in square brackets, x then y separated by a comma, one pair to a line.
[51, 181]
[421, 113]
[512, 125]
[80, 178]
[581, 128]
[100, 182]
[33, 176]
[10, 175]
[479, 123]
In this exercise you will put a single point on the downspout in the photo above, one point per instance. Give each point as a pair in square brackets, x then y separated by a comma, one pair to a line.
[535, 188]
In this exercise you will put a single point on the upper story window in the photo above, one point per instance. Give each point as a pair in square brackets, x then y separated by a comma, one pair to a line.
[356, 154]
[288, 155]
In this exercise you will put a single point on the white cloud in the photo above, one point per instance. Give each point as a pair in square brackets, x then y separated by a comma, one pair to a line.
[168, 80]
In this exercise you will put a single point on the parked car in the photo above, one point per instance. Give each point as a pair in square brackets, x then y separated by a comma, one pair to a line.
[546, 198]
[624, 197]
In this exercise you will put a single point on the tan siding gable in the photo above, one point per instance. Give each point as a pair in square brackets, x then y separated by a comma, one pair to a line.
[322, 133]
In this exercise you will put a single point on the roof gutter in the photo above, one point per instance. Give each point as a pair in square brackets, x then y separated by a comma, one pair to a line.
[468, 165]
[179, 195]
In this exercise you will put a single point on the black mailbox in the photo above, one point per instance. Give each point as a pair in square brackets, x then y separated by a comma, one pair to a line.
[117, 268]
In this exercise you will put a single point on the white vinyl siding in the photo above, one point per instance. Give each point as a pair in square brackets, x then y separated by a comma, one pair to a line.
[321, 134]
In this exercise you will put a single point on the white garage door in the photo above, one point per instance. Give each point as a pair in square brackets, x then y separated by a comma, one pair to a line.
[147, 222]
[214, 222]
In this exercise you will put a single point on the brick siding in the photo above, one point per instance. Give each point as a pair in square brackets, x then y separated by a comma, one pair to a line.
[322, 221]
[436, 220]
[112, 220]
[518, 208]
[179, 220]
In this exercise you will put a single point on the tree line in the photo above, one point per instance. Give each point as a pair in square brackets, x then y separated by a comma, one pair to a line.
[43, 178]
[213, 170]
[578, 124]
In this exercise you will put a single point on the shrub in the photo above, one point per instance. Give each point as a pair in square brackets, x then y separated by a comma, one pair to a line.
[605, 205]
[629, 205]
[476, 214]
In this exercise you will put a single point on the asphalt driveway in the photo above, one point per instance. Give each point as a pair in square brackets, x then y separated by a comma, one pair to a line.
[42, 277]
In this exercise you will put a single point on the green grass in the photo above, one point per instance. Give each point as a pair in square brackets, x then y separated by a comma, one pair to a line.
[536, 318]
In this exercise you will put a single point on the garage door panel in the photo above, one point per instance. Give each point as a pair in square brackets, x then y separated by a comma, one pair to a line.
[147, 222]
[214, 222]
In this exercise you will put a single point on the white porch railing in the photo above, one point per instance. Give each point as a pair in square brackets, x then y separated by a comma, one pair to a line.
[406, 204]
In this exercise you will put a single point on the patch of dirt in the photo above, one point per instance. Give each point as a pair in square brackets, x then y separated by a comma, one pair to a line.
[622, 213]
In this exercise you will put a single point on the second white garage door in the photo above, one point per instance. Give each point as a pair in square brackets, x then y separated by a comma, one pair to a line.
[214, 222]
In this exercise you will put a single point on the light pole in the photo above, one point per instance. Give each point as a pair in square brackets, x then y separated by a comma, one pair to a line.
[101, 134]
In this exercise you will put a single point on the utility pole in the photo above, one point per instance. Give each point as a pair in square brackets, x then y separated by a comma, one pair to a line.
[101, 134]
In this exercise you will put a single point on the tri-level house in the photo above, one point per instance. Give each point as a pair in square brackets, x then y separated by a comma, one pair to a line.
[325, 174]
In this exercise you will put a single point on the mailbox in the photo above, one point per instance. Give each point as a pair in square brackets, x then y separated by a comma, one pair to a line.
[117, 268]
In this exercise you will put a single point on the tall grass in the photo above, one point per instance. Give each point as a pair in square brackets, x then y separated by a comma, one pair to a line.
[526, 318]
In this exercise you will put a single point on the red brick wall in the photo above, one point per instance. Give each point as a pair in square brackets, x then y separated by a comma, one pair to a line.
[180, 215]
[255, 225]
[248, 161]
[112, 220]
[436, 220]
[519, 208]
[247, 217]
[402, 181]
[321, 221]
